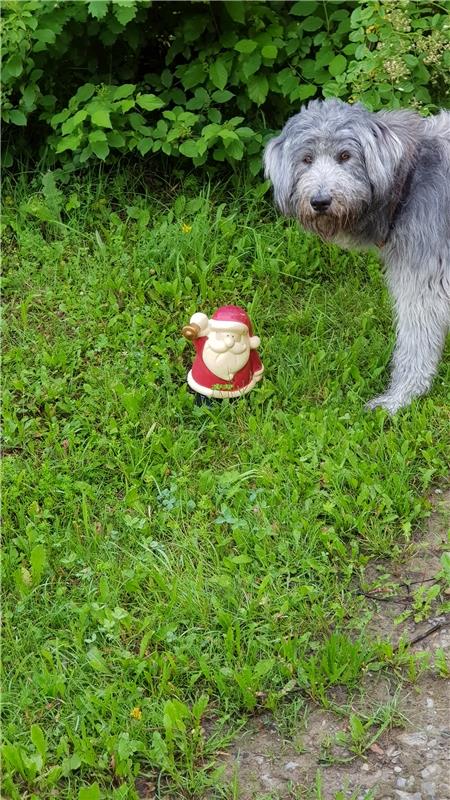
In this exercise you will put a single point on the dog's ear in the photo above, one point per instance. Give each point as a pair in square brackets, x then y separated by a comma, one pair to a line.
[384, 153]
[278, 167]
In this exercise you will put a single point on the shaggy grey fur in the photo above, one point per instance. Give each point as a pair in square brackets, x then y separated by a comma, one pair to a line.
[378, 179]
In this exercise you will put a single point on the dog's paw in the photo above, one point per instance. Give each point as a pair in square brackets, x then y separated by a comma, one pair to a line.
[390, 402]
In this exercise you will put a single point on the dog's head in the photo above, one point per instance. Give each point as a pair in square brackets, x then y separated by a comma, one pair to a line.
[331, 162]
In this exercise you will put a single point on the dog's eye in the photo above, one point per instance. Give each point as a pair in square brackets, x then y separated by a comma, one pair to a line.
[344, 156]
[307, 159]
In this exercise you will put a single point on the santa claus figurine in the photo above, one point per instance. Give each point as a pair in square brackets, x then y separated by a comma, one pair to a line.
[226, 362]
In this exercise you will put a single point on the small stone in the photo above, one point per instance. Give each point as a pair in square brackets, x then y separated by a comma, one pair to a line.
[429, 789]
[397, 769]
[268, 782]
[291, 765]
[407, 796]
[401, 783]
[430, 702]
[411, 782]
[430, 771]
[413, 739]
[259, 759]
[365, 767]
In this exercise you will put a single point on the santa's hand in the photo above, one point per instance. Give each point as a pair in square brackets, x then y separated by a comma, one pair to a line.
[197, 326]
[201, 320]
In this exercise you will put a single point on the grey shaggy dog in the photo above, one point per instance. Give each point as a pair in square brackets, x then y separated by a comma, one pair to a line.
[364, 179]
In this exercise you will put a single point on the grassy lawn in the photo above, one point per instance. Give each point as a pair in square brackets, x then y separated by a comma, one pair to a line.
[169, 568]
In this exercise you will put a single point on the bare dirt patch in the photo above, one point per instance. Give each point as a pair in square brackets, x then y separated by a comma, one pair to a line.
[411, 762]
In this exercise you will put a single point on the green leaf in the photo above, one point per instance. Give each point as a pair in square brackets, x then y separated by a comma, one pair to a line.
[245, 46]
[124, 11]
[74, 121]
[37, 560]
[91, 792]
[201, 98]
[98, 136]
[126, 104]
[269, 51]
[251, 64]
[38, 739]
[15, 65]
[303, 8]
[287, 81]
[337, 65]
[218, 73]
[312, 23]
[17, 117]
[245, 133]
[242, 559]
[69, 143]
[222, 96]
[96, 660]
[192, 75]
[59, 117]
[115, 139]
[100, 149]
[124, 91]
[209, 131]
[149, 101]
[303, 92]
[43, 36]
[258, 87]
[83, 93]
[101, 118]
[235, 149]
[53, 196]
[70, 763]
[236, 10]
[98, 8]
[136, 120]
[7, 159]
[29, 95]
[85, 154]
[214, 115]
[189, 148]
[144, 146]
[166, 78]
[194, 26]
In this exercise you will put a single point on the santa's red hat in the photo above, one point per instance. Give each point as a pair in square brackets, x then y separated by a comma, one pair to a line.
[228, 318]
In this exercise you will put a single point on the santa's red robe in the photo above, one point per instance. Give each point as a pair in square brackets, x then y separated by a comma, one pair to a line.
[203, 381]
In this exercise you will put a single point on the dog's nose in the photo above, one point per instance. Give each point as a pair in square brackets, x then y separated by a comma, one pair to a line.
[320, 202]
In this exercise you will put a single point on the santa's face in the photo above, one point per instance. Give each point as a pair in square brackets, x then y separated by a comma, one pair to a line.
[226, 352]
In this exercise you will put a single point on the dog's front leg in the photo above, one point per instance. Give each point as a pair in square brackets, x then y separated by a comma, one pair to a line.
[422, 304]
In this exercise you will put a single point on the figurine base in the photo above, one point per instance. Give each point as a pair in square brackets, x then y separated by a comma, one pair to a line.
[223, 394]
[202, 400]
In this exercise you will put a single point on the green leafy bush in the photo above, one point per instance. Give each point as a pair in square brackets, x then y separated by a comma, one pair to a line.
[205, 80]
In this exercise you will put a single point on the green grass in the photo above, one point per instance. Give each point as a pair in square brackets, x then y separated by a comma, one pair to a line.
[194, 563]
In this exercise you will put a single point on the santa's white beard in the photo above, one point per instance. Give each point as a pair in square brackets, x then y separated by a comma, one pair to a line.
[225, 364]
